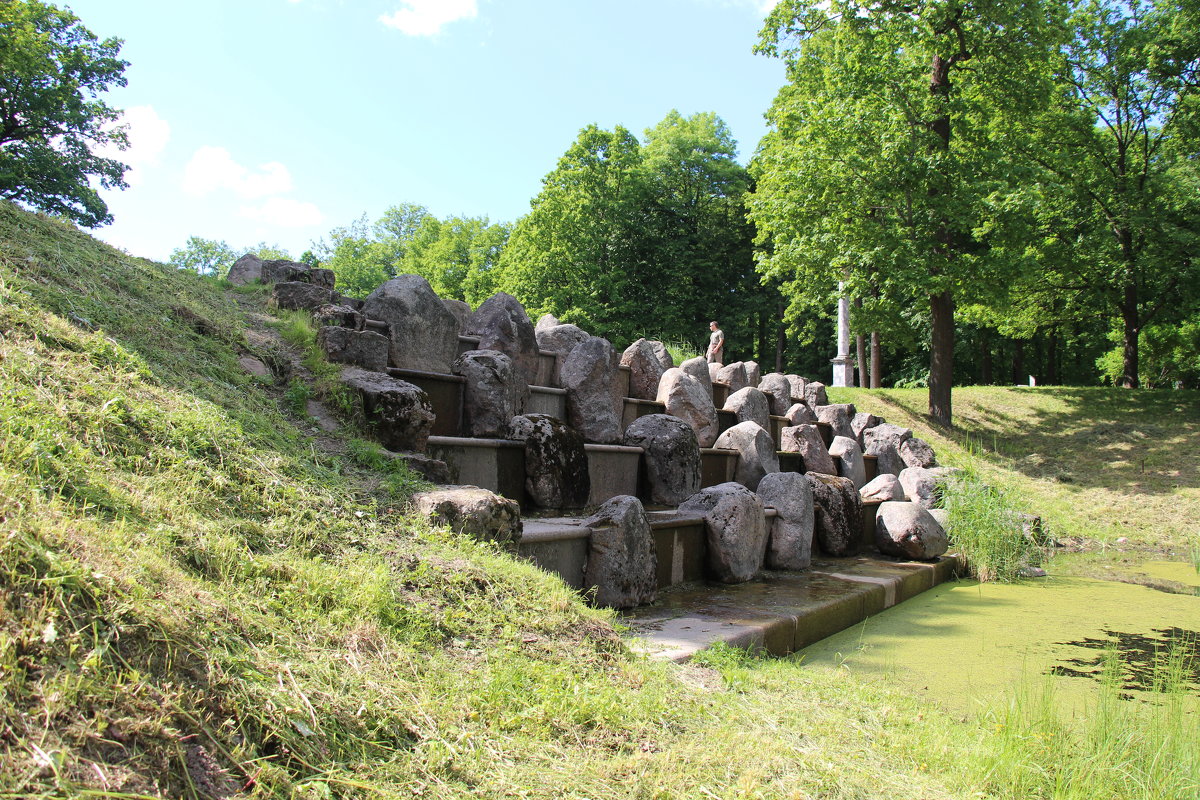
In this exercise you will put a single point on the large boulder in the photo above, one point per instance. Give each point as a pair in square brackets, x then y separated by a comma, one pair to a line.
[398, 412]
[589, 374]
[885, 486]
[556, 465]
[906, 530]
[472, 511]
[837, 416]
[424, 335]
[736, 529]
[300, 296]
[917, 453]
[777, 389]
[246, 269]
[460, 309]
[502, 324]
[559, 338]
[791, 531]
[622, 563]
[920, 486]
[837, 514]
[338, 316]
[800, 414]
[493, 394]
[698, 368]
[753, 373]
[365, 349]
[281, 269]
[686, 398]
[645, 368]
[883, 441]
[814, 394]
[756, 452]
[733, 374]
[861, 422]
[848, 457]
[750, 405]
[671, 457]
[806, 440]
[797, 384]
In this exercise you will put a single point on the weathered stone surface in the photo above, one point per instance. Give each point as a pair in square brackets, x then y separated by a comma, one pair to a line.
[589, 375]
[713, 370]
[861, 422]
[778, 391]
[297, 295]
[472, 511]
[753, 373]
[883, 441]
[255, 367]
[791, 532]
[559, 338]
[814, 394]
[494, 393]
[733, 374]
[920, 486]
[806, 440]
[837, 416]
[686, 398]
[698, 368]
[424, 335]
[941, 515]
[800, 414]
[664, 355]
[883, 487]
[736, 530]
[339, 315]
[546, 321]
[750, 405]
[322, 277]
[837, 514]
[645, 368]
[461, 311]
[556, 465]
[342, 300]
[906, 530]
[796, 384]
[917, 453]
[246, 269]
[622, 564]
[431, 469]
[502, 324]
[398, 412]
[756, 452]
[671, 458]
[848, 457]
[361, 348]
[282, 270]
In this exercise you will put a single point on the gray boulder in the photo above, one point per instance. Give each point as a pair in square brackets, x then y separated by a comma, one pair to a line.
[883, 441]
[837, 514]
[806, 440]
[882, 487]
[733, 374]
[493, 394]
[917, 453]
[461, 311]
[622, 564]
[338, 315]
[556, 465]
[861, 422]
[750, 405]
[502, 324]
[546, 321]
[300, 296]
[424, 335]
[777, 389]
[849, 460]
[281, 270]
[837, 416]
[365, 349]
[796, 384]
[906, 530]
[671, 457]
[686, 398]
[246, 269]
[920, 486]
[736, 529]
[756, 452]
[713, 371]
[942, 516]
[645, 368]
[398, 412]
[698, 368]
[791, 531]
[559, 338]
[589, 373]
[322, 277]
[814, 394]
[753, 373]
[800, 414]
[472, 511]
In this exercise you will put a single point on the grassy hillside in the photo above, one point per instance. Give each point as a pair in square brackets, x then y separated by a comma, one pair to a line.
[196, 601]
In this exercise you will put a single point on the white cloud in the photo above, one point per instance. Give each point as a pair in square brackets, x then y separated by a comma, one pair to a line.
[213, 168]
[148, 136]
[284, 212]
[426, 17]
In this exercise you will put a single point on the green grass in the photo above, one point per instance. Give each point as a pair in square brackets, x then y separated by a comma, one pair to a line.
[985, 529]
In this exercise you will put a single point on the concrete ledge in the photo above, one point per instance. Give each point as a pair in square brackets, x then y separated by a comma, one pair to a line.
[634, 408]
[556, 546]
[445, 393]
[547, 400]
[717, 466]
[613, 470]
[494, 464]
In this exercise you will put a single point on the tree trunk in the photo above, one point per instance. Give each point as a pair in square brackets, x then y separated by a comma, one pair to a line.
[985, 361]
[780, 339]
[1053, 371]
[941, 357]
[876, 361]
[1018, 362]
[763, 338]
[1129, 318]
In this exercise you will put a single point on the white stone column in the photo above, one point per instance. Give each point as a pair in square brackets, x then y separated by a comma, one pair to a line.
[843, 365]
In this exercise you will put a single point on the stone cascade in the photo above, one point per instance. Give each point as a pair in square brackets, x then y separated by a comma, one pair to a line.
[621, 472]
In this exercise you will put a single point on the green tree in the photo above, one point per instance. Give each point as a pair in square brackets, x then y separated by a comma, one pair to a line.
[458, 256]
[356, 257]
[204, 256]
[52, 72]
[887, 162]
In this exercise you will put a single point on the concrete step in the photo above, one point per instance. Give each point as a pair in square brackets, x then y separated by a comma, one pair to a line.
[783, 611]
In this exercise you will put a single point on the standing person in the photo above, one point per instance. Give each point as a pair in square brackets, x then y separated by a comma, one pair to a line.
[716, 344]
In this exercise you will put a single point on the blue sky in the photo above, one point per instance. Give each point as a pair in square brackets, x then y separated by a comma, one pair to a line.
[276, 120]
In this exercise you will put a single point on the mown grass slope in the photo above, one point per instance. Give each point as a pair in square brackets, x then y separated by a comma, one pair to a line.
[197, 602]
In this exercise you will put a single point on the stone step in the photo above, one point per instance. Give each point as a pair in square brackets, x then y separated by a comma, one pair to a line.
[783, 611]
[445, 393]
